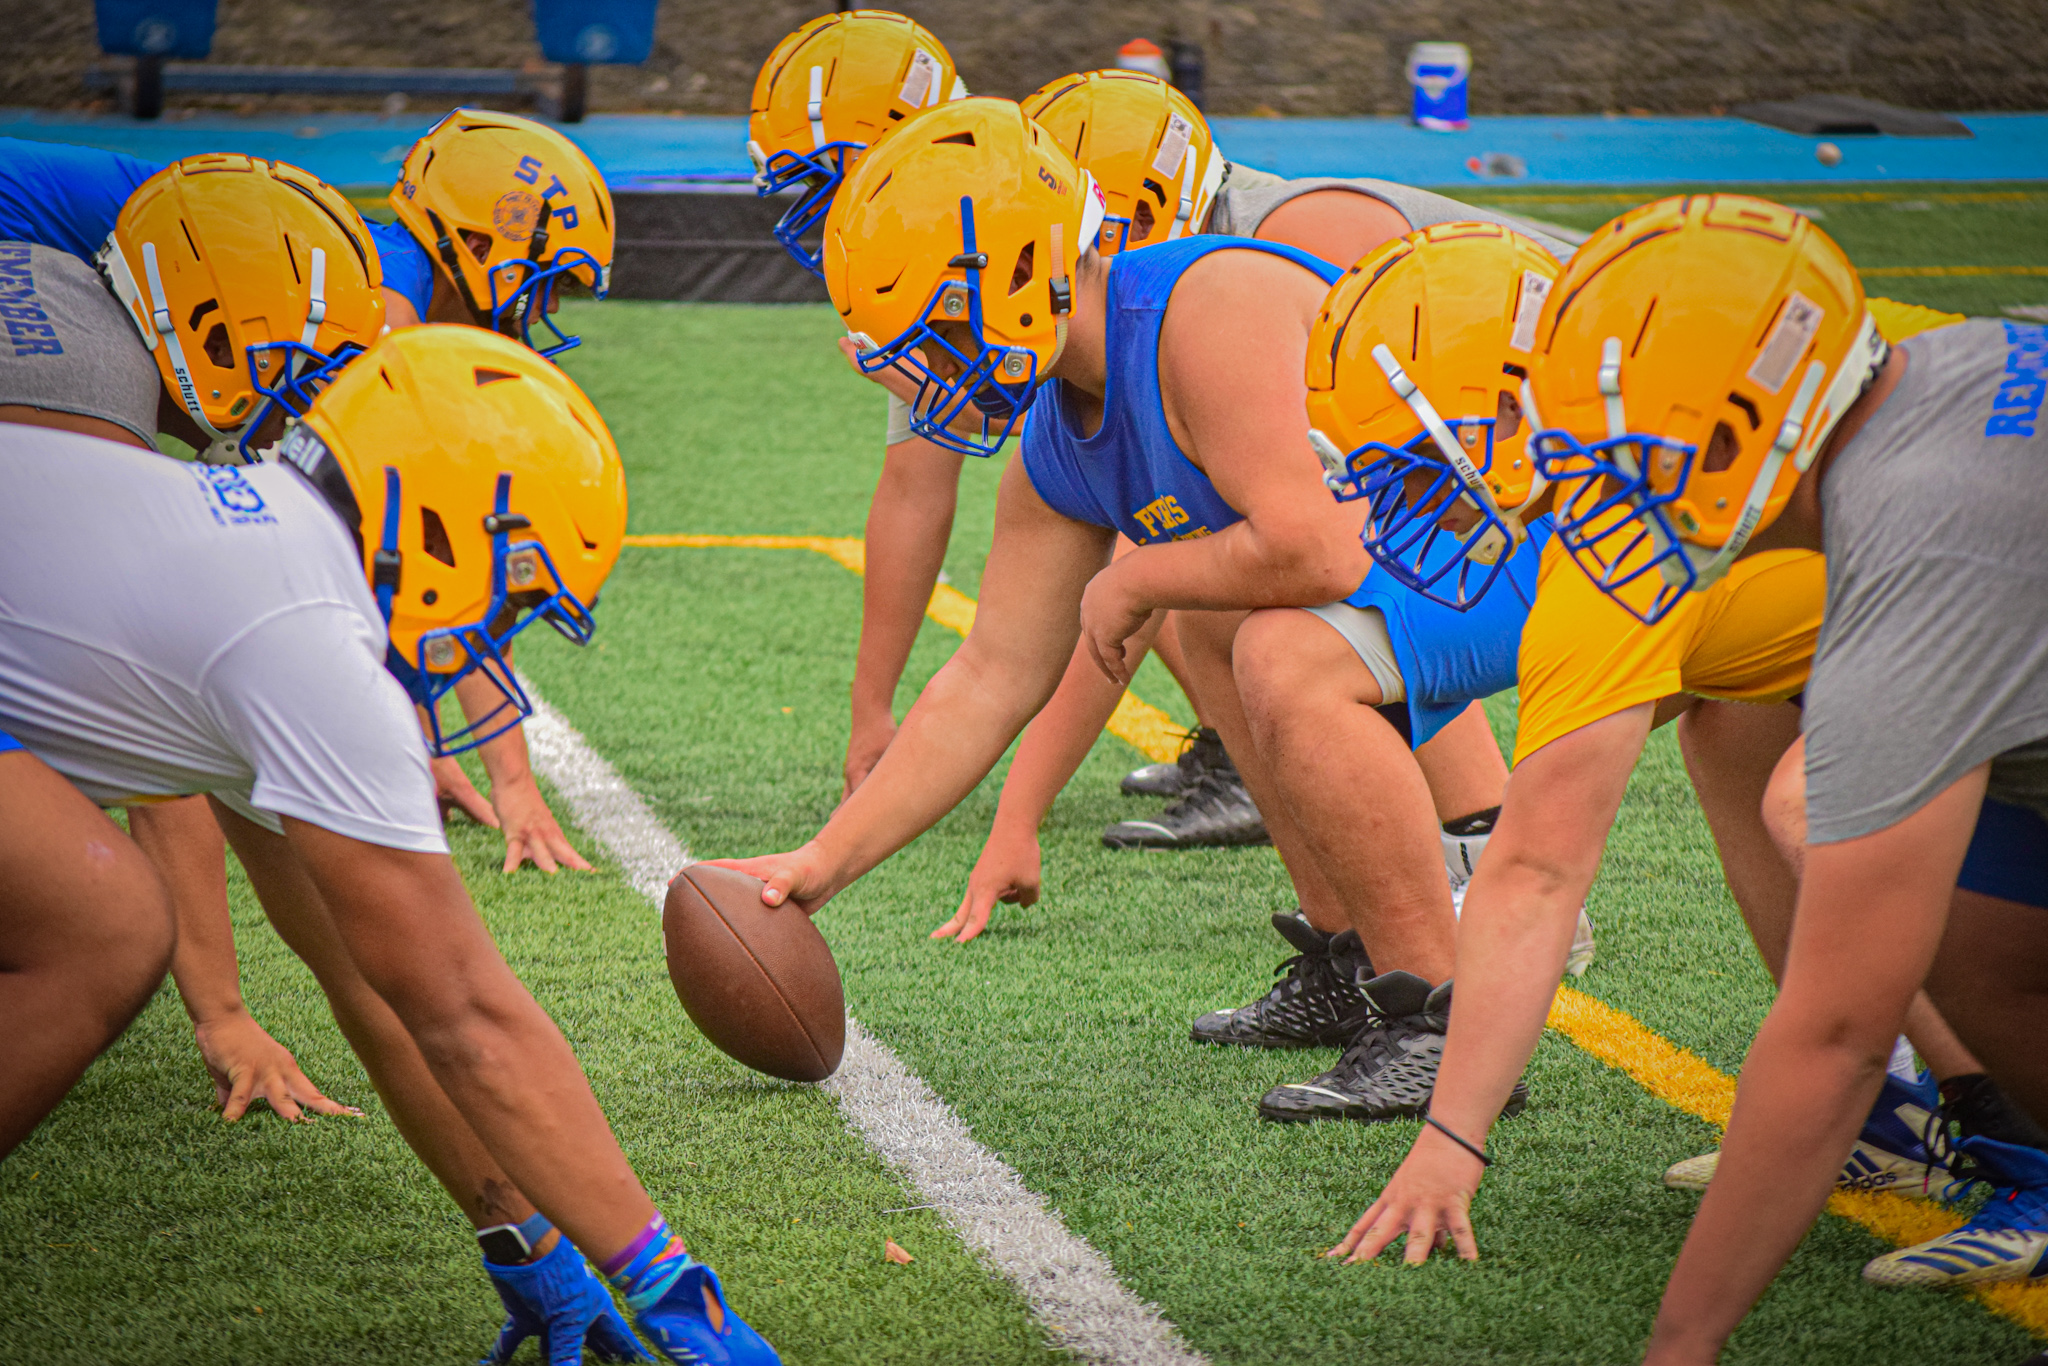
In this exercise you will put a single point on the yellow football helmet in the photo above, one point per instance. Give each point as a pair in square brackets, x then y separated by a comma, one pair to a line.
[1692, 359]
[826, 94]
[485, 494]
[1418, 401]
[956, 239]
[1145, 143]
[250, 281]
[515, 213]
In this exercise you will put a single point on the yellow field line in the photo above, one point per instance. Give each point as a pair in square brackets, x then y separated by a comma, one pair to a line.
[1137, 723]
[1674, 1075]
[1685, 1081]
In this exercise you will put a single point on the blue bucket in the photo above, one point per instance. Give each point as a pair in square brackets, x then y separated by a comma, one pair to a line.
[1441, 74]
[155, 28]
[595, 32]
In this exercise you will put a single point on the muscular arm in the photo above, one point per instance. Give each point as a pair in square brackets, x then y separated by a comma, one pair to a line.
[967, 715]
[1512, 940]
[1230, 367]
[909, 522]
[1871, 915]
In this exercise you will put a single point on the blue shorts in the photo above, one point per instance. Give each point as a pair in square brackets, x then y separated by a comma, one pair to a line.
[8, 742]
[2008, 855]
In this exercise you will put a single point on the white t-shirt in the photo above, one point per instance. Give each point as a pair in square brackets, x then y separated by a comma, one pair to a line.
[171, 628]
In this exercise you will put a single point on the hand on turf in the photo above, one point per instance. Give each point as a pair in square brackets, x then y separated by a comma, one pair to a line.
[1429, 1200]
[1008, 870]
[531, 831]
[864, 749]
[455, 792]
[247, 1065]
[799, 878]
[1109, 619]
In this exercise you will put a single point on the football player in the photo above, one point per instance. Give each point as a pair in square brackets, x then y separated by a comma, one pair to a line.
[225, 252]
[263, 635]
[1896, 890]
[966, 242]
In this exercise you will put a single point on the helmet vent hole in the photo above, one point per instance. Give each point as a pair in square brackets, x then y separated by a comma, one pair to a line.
[1026, 261]
[1507, 416]
[385, 375]
[218, 349]
[1157, 193]
[884, 289]
[434, 537]
[1722, 449]
[1748, 410]
[1415, 334]
[200, 312]
[484, 376]
[479, 244]
[1141, 221]
[881, 187]
[292, 260]
[964, 139]
[188, 239]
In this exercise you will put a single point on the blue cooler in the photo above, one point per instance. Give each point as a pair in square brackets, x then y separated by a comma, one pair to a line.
[156, 28]
[595, 32]
[1441, 74]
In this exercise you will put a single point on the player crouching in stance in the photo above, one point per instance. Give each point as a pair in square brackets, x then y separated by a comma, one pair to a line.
[1168, 386]
[263, 635]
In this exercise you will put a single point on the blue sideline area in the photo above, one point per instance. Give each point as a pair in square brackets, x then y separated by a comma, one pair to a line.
[651, 151]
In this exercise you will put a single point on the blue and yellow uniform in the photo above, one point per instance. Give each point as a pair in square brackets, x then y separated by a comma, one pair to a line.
[1132, 476]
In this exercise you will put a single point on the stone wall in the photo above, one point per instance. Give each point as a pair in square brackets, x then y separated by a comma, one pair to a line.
[1301, 57]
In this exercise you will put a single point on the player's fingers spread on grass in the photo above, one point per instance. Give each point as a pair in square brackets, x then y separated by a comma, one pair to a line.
[1370, 1235]
[455, 791]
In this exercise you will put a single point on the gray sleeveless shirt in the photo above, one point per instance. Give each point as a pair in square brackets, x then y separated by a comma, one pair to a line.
[1248, 196]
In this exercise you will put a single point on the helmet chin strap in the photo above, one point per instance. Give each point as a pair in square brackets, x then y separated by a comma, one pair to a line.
[167, 329]
[815, 110]
[1492, 546]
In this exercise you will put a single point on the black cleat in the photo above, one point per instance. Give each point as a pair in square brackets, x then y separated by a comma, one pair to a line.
[1315, 1004]
[1215, 812]
[1390, 1068]
[1204, 752]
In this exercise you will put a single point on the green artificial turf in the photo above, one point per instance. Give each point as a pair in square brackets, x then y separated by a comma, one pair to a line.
[134, 1227]
[1879, 225]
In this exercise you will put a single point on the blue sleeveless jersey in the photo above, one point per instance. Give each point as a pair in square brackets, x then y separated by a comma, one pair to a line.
[64, 197]
[407, 269]
[1132, 477]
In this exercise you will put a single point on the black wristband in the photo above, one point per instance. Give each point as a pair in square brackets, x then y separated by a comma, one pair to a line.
[1433, 1122]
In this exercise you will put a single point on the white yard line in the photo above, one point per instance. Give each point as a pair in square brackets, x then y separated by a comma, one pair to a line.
[1069, 1285]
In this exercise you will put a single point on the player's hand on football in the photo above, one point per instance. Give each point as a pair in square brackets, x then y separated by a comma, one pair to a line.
[1429, 1200]
[1008, 870]
[531, 830]
[455, 792]
[247, 1065]
[799, 878]
[1109, 620]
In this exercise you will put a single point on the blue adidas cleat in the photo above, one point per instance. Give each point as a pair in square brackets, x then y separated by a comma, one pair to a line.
[2006, 1241]
[686, 1328]
[559, 1300]
[1891, 1154]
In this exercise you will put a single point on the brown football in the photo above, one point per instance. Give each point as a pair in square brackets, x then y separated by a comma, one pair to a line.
[758, 980]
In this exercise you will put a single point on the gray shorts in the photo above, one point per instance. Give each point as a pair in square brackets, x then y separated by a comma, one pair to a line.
[67, 346]
[1365, 630]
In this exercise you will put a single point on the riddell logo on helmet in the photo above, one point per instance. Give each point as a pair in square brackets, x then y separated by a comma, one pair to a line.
[1059, 187]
